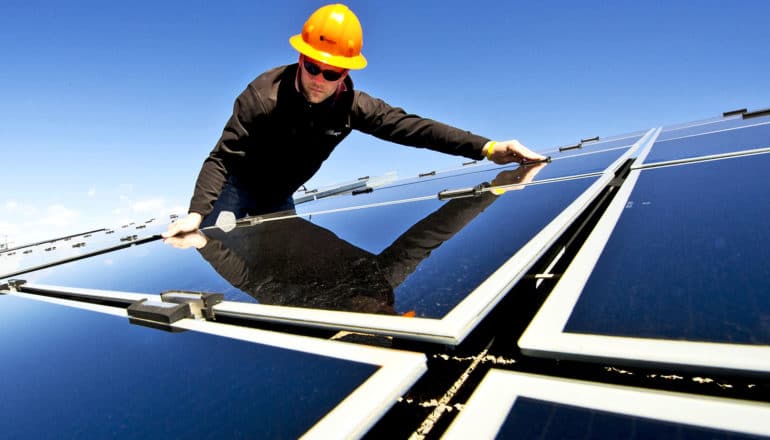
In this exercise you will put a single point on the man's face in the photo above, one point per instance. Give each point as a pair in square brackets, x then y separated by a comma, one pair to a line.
[317, 88]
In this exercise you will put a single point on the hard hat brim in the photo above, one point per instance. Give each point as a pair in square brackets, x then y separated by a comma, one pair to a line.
[353, 63]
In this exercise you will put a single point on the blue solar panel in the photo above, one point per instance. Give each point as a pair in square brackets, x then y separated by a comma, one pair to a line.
[560, 167]
[509, 404]
[709, 127]
[401, 253]
[70, 248]
[688, 259]
[533, 418]
[729, 141]
[70, 373]
[687, 262]
[592, 146]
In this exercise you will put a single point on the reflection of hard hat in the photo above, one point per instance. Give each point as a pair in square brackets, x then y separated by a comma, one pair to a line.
[333, 36]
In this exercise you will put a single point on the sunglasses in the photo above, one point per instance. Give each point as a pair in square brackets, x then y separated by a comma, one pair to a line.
[314, 69]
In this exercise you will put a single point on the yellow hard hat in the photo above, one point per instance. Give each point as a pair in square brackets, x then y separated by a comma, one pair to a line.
[332, 35]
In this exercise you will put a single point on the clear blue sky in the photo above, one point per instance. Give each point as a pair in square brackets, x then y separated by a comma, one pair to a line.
[107, 109]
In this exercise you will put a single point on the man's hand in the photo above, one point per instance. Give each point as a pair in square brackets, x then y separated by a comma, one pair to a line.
[511, 151]
[188, 224]
[187, 240]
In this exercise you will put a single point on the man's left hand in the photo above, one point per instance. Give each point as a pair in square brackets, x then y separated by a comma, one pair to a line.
[512, 151]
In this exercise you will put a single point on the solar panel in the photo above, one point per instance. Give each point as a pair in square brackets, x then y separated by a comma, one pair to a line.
[563, 165]
[657, 284]
[518, 405]
[594, 145]
[71, 373]
[681, 279]
[698, 128]
[755, 136]
[79, 246]
[415, 245]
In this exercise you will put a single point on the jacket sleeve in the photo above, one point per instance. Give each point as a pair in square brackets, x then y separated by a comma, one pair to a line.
[375, 117]
[230, 150]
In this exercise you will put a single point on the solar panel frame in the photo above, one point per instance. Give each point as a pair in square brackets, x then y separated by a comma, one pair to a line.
[544, 337]
[491, 402]
[353, 416]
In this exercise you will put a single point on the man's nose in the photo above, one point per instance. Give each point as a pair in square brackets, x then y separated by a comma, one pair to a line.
[318, 79]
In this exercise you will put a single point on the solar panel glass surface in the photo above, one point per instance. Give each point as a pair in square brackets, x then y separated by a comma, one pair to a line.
[592, 146]
[533, 418]
[508, 404]
[423, 256]
[722, 142]
[78, 246]
[560, 167]
[689, 258]
[73, 373]
[708, 127]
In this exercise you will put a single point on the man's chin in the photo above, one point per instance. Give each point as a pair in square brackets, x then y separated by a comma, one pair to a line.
[314, 97]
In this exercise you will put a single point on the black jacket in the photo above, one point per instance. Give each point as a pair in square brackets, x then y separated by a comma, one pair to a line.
[275, 140]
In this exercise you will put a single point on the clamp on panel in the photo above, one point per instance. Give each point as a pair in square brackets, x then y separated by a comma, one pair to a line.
[12, 285]
[571, 147]
[462, 192]
[201, 304]
[174, 306]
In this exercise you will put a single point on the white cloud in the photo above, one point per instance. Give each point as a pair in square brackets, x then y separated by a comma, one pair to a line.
[59, 215]
[148, 206]
[8, 230]
[26, 222]
[20, 209]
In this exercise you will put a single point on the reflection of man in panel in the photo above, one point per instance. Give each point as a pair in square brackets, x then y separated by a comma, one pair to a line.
[289, 119]
[293, 262]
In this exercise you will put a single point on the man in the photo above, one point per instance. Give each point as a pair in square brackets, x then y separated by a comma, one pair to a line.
[289, 119]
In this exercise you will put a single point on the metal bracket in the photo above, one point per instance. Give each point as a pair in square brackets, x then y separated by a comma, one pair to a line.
[462, 192]
[362, 191]
[532, 162]
[158, 312]
[740, 111]
[201, 304]
[756, 113]
[571, 147]
[174, 305]
[12, 285]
